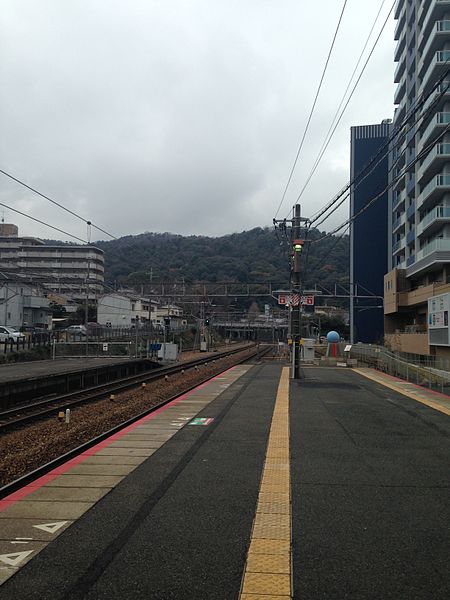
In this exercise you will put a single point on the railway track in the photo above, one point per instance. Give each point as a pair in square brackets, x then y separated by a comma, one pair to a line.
[24, 414]
[15, 485]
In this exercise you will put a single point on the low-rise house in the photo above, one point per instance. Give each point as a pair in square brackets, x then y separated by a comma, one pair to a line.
[171, 315]
[23, 303]
[123, 310]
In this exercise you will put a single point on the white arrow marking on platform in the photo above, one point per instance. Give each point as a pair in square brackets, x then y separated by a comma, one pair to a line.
[15, 558]
[51, 527]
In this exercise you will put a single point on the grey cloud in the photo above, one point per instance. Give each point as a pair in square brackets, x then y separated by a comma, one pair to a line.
[178, 115]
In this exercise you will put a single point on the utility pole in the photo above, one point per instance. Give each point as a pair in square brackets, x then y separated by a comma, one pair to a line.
[295, 309]
[86, 308]
[296, 292]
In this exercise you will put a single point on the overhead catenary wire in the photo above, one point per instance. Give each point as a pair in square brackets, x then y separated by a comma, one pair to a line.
[389, 186]
[312, 108]
[384, 149]
[43, 223]
[35, 191]
[337, 118]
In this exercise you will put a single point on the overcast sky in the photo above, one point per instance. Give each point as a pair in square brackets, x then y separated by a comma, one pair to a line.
[179, 115]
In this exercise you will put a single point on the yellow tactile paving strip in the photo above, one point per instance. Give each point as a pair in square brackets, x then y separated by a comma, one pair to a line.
[410, 390]
[268, 573]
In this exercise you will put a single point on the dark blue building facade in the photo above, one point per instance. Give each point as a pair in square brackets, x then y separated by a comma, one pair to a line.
[368, 232]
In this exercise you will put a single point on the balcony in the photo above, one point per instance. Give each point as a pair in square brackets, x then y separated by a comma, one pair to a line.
[435, 70]
[410, 260]
[422, 12]
[410, 237]
[400, 23]
[399, 183]
[435, 160]
[428, 14]
[398, 8]
[398, 246]
[411, 135]
[439, 34]
[434, 220]
[439, 121]
[398, 200]
[399, 156]
[412, 14]
[411, 186]
[401, 44]
[400, 91]
[435, 99]
[439, 244]
[411, 211]
[400, 69]
[439, 185]
[410, 62]
[399, 222]
[399, 113]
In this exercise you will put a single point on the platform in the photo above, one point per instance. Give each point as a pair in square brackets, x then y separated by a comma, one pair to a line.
[42, 368]
[249, 487]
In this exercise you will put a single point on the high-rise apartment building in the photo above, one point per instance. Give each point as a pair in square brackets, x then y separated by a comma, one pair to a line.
[369, 232]
[420, 199]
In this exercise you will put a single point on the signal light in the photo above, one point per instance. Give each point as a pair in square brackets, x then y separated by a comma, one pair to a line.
[298, 245]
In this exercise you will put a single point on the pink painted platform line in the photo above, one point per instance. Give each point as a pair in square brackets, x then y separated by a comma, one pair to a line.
[54, 473]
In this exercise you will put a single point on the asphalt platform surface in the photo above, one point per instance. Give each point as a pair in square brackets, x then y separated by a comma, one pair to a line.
[370, 472]
[370, 491]
[41, 368]
[178, 527]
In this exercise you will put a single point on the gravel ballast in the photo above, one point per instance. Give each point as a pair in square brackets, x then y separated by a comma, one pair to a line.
[34, 445]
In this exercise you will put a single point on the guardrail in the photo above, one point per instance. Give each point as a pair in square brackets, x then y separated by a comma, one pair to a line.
[419, 369]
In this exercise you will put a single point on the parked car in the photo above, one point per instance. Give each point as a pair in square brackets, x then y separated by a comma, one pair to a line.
[76, 330]
[38, 335]
[10, 334]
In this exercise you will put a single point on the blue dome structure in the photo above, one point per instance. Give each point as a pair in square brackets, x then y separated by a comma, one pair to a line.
[333, 337]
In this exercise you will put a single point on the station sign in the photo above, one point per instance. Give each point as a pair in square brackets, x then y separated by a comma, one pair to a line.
[438, 320]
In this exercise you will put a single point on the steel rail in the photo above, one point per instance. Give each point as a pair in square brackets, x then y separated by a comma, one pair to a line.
[17, 484]
[14, 417]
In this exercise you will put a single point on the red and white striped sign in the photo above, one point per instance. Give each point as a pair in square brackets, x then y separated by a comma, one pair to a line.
[294, 300]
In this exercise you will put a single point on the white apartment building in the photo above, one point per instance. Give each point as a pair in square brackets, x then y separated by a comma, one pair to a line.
[420, 198]
[64, 268]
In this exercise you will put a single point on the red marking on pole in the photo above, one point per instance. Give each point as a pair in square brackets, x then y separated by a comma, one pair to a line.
[54, 473]
[333, 349]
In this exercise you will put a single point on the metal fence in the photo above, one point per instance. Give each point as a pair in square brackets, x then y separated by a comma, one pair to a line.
[429, 371]
[22, 344]
[136, 348]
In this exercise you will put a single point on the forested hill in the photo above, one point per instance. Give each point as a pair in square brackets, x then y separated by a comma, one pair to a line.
[258, 255]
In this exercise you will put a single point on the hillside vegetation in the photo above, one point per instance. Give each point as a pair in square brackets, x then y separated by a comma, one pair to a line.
[258, 255]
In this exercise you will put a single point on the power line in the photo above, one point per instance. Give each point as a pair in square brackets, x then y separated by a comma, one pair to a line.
[312, 109]
[389, 186]
[384, 149]
[57, 203]
[335, 123]
[43, 223]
